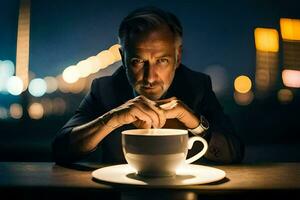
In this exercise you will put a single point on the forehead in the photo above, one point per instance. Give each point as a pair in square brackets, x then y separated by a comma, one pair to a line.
[159, 40]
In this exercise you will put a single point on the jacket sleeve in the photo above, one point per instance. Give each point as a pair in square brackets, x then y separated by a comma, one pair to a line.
[89, 109]
[224, 145]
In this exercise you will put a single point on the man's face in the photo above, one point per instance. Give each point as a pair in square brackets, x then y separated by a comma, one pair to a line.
[151, 60]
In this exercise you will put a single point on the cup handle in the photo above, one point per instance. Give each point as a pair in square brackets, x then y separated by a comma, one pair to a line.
[201, 153]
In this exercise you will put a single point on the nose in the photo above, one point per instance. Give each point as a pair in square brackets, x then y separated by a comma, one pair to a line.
[150, 73]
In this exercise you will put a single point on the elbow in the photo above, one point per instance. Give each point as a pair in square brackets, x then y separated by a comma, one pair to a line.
[61, 149]
[225, 149]
[59, 152]
[63, 153]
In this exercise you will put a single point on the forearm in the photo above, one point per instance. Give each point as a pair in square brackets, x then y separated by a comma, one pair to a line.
[74, 144]
[86, 137]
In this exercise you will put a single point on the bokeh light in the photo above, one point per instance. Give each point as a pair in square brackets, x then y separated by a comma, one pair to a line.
[84, 68]
[285, 96]
[243, 99]
[3, 113]
[23, 43]
[37, 87]
[16, 111]
[242, 84]
[6, 70]
[47, 105]
[106, 58]
[36, 111]
[266, 39]
[51, 84]
[71, 74]
[91, 65]
[266, 72]
[291, 78]
[62, 85]
[115, 52]
[290, 29]
[94, 64]
[76, 87]
[14, 85]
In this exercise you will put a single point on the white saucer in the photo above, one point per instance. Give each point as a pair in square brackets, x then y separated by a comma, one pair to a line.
[187, 175]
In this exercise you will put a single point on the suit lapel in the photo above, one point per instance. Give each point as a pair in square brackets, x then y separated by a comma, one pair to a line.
[181, 89]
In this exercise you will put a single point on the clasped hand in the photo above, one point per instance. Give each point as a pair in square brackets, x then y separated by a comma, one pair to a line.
[145, 113]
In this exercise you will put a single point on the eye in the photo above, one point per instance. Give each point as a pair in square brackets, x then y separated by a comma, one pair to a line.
[137, 62]
[163, 61]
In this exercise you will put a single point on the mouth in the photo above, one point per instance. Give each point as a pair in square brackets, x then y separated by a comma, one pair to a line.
[148, 88]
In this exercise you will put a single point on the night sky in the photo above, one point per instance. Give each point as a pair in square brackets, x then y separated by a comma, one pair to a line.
[215, 32]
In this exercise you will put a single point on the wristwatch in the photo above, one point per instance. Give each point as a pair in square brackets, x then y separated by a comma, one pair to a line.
[203, 126]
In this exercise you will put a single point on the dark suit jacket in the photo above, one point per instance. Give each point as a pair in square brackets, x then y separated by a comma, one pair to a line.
[193, 88]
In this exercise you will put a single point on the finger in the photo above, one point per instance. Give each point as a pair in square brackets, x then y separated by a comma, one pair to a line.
[159, 112]
[141, 124]
[137, 114]
[130, 114]
[163, 101]
[138, 102]
[174, 109]
[171, 113]
[147, 110]
[149, 101]
[169, 105]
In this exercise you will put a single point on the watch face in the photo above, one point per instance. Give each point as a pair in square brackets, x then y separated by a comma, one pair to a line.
[204, 122]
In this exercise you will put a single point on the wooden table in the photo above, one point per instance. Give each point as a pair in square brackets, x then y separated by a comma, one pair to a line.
[45, 180]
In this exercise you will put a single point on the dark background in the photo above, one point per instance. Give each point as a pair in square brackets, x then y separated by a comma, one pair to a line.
[216, 33]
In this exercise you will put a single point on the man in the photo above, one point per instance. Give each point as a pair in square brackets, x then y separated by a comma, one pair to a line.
[151, 90]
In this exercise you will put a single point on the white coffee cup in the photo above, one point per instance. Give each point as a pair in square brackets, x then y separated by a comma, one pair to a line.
[159, 152]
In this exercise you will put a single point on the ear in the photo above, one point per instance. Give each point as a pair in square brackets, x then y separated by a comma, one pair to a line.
[179, 55]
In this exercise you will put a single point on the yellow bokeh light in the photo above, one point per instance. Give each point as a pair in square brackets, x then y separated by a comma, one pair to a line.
[242, 84]
[70, 74]
[36, 111]
[84, 68]
[91, 65]
[62, 85]
[23, 43]
[94, 64]
[290, 29]
[285, 95]
[16, 111]
[266, 39]
[106, 58]
[115, 51]
[76, 87]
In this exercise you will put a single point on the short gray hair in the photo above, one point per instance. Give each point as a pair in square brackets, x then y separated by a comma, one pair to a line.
[147, 19]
